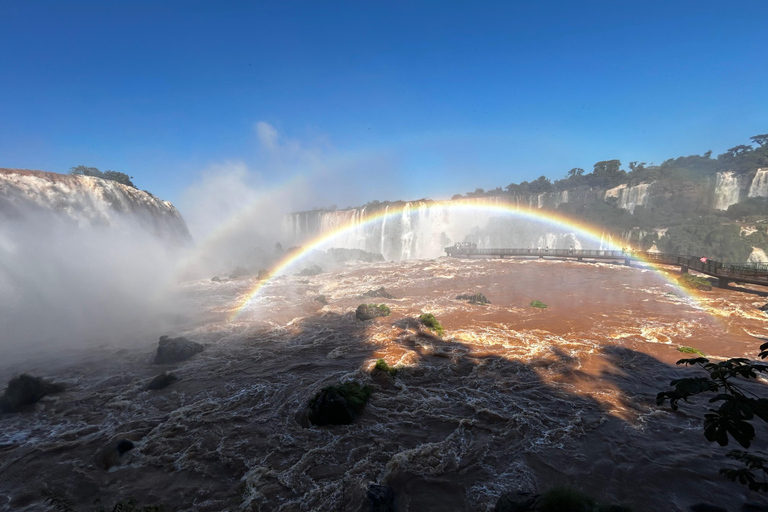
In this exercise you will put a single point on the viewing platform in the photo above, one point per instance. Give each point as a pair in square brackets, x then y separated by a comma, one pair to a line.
[724, 273]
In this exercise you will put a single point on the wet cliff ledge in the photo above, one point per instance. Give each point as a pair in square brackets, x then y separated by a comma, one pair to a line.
[87, 201]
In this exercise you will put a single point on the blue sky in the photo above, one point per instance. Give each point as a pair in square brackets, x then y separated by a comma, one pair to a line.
[375, 100]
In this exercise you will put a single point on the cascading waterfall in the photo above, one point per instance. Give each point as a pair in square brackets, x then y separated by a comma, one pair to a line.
[407, 237]
[759, 186]
[726, 190]
[423, 230]
[628, 198]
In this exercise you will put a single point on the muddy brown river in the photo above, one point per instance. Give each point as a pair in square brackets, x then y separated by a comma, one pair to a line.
[510, 398]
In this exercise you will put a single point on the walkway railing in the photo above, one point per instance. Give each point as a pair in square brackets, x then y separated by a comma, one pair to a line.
[725, 273]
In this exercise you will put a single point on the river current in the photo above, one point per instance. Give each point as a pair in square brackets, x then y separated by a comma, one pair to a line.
[510, 398]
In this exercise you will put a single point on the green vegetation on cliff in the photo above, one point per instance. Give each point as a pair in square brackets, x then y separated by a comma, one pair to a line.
[119, 177]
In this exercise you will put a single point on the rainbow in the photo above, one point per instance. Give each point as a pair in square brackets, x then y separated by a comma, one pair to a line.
[547, 217]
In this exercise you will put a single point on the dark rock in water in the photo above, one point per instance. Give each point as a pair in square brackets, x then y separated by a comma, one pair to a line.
[342, 255]
[173, 350]
[124, 445]
[26, 390]
[114, 452]
[477, 298]
[311, 271]
[381, 292]
[322, 300]
[371, 311]
[215, 279]
[704, 507]
[764, 307]
[162, 381]
[381, 498]
[512, 502]
[338, 405]
[240, 272]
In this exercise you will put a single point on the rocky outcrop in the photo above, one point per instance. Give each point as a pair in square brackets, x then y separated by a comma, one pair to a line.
[380, 293]
[26, 390]
[477, 298]
[371, 311]
[86, 200]
[338, 405]
[174, 350]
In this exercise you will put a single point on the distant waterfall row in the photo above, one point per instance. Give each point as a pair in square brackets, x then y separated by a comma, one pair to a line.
[423, 230]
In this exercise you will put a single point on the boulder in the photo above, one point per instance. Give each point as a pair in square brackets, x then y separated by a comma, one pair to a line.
[322, 300]
[113, 453]
[380, 293]
[764, 307]
[338, 405]
[371, 311]
[381, 498]
[215, 279]
[311, 271]
[240, 272]
[26, 390]
[162, 381]
[173, 350]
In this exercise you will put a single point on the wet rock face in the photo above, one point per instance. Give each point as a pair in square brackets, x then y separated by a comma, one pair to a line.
[381, 498]
[162, 381]
[26, 390]
[173, 350]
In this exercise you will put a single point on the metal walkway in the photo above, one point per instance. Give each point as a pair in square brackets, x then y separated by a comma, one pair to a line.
[724, 273]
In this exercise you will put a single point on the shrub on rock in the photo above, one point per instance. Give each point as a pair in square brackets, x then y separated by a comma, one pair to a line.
[371, 311]
[695, 282]
[429, 320]
[173, 350]
[338, 405]
[26, 390]
[382, 366]
[538, 304]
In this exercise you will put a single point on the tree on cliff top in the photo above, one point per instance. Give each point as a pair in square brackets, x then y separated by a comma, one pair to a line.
[119, 177]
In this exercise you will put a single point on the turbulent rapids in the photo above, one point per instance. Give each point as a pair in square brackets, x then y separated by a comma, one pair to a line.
[510, 398]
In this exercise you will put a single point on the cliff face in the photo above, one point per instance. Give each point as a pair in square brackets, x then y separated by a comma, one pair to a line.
[424, 228]
[87, 201]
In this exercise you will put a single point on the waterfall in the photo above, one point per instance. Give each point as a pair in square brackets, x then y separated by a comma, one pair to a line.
[87, 201]
[628, 198]
[383, 225]
[406, 238]
[759, 186]
[726, 190]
